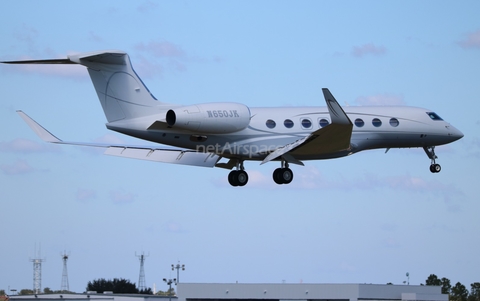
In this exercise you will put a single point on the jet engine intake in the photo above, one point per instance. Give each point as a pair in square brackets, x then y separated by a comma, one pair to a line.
[210, 118]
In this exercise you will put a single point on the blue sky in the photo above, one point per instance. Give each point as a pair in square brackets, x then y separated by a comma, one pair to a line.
[368, 218]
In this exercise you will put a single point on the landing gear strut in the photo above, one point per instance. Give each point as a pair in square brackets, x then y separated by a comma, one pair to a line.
[430, 151]
[283, 175]
[239, 176]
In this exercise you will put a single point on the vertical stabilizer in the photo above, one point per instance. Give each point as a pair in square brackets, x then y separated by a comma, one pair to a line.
[121, 92]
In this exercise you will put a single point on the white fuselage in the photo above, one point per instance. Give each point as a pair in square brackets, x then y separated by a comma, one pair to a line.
[271, 128]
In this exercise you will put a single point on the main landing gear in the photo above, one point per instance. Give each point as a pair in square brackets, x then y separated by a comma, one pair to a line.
[430, 151]
[283, 175]
[239, 176]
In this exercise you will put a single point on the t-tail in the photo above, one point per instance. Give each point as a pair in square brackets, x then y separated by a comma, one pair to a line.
[121, 92]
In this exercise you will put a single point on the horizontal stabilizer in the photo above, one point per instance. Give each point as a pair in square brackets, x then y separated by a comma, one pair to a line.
[51, 61]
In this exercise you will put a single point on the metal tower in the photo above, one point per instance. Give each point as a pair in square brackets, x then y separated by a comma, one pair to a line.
[141, 278]
[178, 267]
[65, 286]
[37, 273]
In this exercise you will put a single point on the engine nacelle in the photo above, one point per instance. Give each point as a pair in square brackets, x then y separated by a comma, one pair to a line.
[210, 118]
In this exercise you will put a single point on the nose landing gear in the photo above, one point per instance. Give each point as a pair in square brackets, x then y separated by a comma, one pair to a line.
[430, 151]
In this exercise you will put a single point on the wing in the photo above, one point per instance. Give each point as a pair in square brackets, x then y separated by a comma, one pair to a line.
[165, 155]
[333, 138]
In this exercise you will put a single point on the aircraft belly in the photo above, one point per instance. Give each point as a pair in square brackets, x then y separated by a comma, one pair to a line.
[363, 141]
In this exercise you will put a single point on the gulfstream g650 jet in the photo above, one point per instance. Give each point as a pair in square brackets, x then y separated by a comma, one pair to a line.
[208, 132]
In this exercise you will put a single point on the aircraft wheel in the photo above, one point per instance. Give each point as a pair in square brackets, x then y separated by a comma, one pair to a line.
[434, 168]
[287, 175]
[277, 177]
[233, 179]
[242, 177]
[282, 175]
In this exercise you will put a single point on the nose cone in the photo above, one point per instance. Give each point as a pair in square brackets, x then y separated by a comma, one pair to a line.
[454, 133]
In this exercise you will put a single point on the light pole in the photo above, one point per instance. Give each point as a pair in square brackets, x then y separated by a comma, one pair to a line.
[169, 282]
[178, 267]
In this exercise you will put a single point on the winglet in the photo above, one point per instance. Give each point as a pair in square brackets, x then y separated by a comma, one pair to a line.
[336, 112]
[38, 129]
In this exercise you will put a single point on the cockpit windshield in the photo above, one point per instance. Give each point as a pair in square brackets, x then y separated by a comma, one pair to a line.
[434, 116]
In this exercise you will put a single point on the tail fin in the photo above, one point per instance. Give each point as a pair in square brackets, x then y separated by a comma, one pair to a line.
[121, 92]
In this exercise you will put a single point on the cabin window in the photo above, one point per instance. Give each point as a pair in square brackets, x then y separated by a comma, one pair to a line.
[288, 123]
[376, 122]
[270, 124]
[434, 116]
[359, 122]
[306, 123]
[394, 122]
[323, 122]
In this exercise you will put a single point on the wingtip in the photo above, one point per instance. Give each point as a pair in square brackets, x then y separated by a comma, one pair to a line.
[38, 129]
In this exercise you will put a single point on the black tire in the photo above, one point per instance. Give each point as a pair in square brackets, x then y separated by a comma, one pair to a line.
[437, 168]
[233, 179]
[242, 177]
[287, 175]
[277, 176]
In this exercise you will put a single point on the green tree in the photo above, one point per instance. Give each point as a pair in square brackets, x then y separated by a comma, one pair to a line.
[446, 286]
[47, 290]
[474, 292]
[2, 292]
[169, 292]
[459, 293]
[147, 291]
[25, 291]
[433, 280]
[117, 286]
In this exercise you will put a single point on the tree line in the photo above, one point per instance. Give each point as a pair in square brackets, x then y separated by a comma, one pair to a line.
[458, 292]
[101, 285]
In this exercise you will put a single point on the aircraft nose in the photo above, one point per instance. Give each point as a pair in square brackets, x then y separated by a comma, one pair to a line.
[454, 133]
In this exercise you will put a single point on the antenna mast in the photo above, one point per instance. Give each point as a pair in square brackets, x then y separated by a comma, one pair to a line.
[141, 277]
[65, 286]
[37, 272]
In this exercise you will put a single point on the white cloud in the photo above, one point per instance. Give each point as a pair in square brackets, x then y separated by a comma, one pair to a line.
[27, 35]
[472, 40]
[161, 49]
[17, 168]
[147, 6]
[27, 146]
[174, 227]
[368, 49]
[122, 197]
[84, 195]
[381, 100]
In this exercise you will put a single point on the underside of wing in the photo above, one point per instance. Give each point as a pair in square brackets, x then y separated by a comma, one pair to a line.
[333, 138]
[184, 157]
